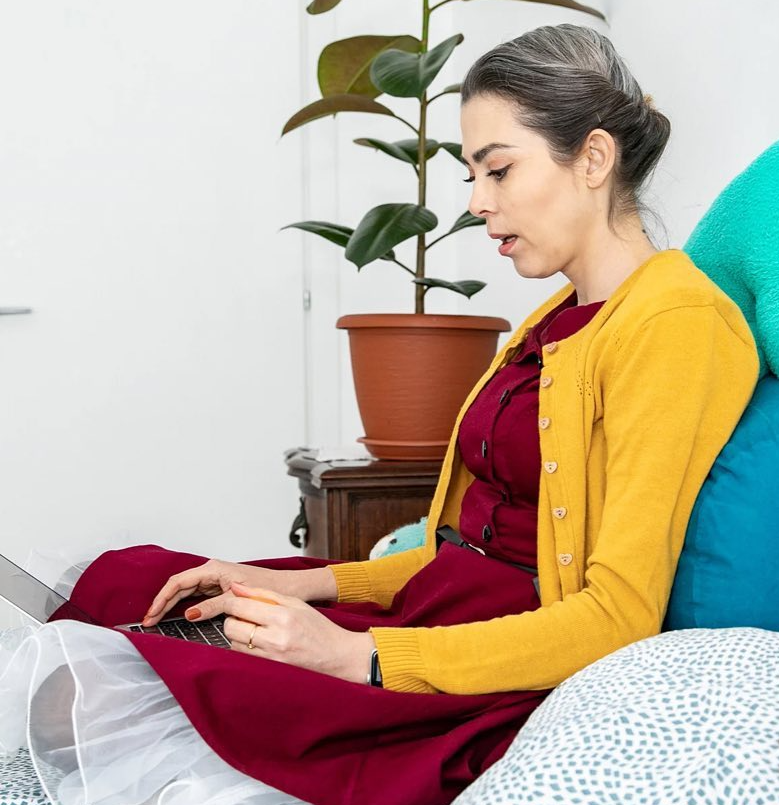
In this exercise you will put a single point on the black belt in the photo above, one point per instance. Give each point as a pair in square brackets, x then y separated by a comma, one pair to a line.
[446, 533]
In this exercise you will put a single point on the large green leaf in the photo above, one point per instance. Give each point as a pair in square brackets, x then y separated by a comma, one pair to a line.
[391, 149]
[408, 75]
[344, 66]
[455, 149]
[465, 287]
[384, 227]
[404, 150]
[571, 4]
[466, 220]
[335, 233]
[333, 105]
[320, 6]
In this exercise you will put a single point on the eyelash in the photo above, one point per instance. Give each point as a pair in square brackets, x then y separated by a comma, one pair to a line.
[499, 174]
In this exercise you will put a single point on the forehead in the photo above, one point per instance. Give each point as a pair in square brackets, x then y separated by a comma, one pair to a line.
[488, 119]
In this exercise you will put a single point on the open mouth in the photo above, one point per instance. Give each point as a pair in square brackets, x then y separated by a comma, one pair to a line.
[508, 239]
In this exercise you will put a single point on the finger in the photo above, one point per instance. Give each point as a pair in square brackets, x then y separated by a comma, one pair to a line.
[160, 606]
[256, 594]
[179, 586]
[186, 581]
[239, 631]
[208, 608]
[247, 609]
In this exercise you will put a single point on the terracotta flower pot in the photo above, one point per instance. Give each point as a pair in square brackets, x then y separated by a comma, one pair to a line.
[412, 374]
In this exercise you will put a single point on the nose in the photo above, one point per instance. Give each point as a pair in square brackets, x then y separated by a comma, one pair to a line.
[480, 204]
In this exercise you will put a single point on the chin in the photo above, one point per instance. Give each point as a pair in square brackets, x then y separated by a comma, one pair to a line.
[528, 270]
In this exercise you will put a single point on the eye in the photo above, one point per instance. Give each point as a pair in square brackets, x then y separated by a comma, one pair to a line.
[470, 179]
[498, 173]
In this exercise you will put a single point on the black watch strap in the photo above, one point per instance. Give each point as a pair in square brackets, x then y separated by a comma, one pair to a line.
[374, 677]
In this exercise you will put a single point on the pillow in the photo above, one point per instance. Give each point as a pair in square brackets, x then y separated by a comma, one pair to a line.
[728, 573]
[690, 716]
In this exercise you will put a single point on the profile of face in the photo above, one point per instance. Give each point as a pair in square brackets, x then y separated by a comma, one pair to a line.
[552, 209]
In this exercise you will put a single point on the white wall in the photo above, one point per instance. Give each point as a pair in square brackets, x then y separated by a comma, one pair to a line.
[152, 392]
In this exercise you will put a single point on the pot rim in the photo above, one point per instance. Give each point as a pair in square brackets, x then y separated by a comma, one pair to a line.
[450, 321]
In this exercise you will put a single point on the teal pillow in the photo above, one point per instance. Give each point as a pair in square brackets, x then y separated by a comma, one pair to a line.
[728, 573]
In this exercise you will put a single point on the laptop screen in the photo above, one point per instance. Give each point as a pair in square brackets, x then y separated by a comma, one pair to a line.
[33, 597]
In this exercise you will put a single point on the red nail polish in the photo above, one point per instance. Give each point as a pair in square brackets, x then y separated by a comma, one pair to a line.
[193, 613]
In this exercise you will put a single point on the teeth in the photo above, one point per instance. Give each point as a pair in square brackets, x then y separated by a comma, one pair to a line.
[508, 238]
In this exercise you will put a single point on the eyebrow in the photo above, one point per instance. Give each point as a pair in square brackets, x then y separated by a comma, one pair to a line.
[478, 156]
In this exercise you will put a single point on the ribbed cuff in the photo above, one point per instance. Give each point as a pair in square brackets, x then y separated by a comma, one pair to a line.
[400, 659]
[351, 579]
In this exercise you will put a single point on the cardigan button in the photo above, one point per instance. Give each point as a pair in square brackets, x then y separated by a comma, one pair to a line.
[544, 422]
[551, 347]
[565, 558]
[546, 382]
[560, 512]
[550, 466]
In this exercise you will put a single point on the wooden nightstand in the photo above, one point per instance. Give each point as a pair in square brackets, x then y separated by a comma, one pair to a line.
[345, 509]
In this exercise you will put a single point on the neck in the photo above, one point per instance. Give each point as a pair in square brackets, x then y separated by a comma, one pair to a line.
[607, 260]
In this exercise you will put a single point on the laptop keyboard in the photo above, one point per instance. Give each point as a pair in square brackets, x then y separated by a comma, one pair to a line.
[210, 632]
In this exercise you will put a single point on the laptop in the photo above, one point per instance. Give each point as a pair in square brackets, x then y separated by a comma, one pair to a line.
[37, 600]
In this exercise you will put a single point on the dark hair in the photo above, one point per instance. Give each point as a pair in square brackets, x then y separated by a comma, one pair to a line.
[566, 80]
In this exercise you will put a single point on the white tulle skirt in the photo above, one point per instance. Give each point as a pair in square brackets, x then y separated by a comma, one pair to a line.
[103, 729]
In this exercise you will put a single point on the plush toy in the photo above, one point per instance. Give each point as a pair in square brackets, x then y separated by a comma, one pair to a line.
[736, 244]
[403, 538]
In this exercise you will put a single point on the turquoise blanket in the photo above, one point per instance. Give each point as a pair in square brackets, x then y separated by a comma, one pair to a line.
[737, 245]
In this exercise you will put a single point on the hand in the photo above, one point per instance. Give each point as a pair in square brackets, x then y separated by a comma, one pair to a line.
[289, 630]
[210, 579]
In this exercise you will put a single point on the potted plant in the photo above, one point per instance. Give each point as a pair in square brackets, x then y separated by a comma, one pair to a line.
[412, 371]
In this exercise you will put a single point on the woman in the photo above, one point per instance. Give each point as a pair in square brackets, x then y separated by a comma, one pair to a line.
[580, 453]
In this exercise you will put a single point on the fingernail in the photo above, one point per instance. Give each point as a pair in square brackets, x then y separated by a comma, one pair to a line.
[193, 613]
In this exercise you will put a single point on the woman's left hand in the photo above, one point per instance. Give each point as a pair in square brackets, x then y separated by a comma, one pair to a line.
[284, 628]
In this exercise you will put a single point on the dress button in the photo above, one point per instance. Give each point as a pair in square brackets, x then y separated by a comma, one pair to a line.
[504, 495]
[484, 448]
[560, 512]
[550, 466]
[565, 558]
[551, 347]
[546, 382]
[544, 422]
[504, 395]
[486, 533]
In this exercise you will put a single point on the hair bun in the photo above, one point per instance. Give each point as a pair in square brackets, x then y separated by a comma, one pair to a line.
[649, 101]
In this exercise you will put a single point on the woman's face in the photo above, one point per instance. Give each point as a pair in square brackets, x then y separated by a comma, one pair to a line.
[520, 190]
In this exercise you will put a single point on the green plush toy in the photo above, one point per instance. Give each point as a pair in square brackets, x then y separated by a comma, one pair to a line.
[402, 539]
[736, 244]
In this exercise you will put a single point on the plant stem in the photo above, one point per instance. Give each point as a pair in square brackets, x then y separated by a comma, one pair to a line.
[405, 268]
[442, 3]
[419, 293]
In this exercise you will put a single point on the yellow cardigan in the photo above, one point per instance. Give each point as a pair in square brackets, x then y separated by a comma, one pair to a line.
[637, 406]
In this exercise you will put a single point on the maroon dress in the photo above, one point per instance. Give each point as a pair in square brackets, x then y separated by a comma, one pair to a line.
[332, 742]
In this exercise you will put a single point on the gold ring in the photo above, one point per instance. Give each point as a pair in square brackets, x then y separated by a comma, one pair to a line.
[251, 637]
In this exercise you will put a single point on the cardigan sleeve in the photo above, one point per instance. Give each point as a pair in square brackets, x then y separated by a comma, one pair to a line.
[377, 579]
[671, 399]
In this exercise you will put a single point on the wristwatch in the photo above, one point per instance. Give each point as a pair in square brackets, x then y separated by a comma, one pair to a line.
[374, 675]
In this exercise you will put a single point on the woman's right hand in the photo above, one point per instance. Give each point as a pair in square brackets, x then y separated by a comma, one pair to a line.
[213, 579]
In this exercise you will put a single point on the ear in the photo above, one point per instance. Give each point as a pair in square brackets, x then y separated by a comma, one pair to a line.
[599, 154]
